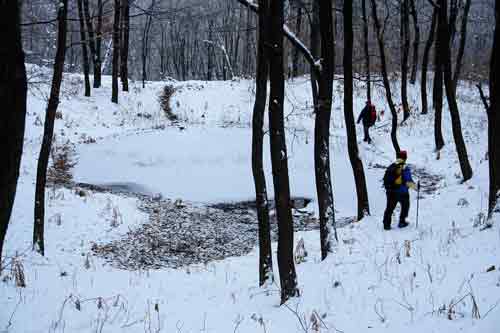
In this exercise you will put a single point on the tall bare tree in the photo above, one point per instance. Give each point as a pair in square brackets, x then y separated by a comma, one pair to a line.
[322, 129]
[366, 51]
[352, 143]
[385, 77]
[445, 54]
[493, 111]
[405, 50]
[279, 157]
[125, 40]
[94, 46]
[116, 52]
[48, 129]
[461, 48]
[425, 62]
[416, 41]
[261, 200]
[13, 89]
[85, 56]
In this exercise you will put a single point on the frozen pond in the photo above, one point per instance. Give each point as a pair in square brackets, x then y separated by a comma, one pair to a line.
[210, 165]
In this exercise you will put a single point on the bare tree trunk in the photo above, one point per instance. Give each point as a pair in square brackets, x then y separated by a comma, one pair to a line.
[92, 45]
[315, 48]
[461, 49]
[298, 30]
[265, 254]
[445, 54]
[385, 77]
[13, 90]
[85, 56]
[405, 49]
[416, 41]
[48, 130]
[279, 158]
[145, 48]
[116, 52]
[98, 43]
[352, 143]
[437, 92]
[125, 31]
[322, 129]
[494, 117]
[425, 63]
[367, 52]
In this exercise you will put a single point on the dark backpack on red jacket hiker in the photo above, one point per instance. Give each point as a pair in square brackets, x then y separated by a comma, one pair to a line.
[373, 115]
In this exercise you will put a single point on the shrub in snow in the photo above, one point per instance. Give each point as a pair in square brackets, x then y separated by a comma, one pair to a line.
[300, 252]
[164, 98]
[63, 161]
[462, 202]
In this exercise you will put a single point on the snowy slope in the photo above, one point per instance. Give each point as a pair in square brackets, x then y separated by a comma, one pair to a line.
[415, 280]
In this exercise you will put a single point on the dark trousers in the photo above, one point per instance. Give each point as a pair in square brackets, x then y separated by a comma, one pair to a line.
[367, 133]
[393, 198]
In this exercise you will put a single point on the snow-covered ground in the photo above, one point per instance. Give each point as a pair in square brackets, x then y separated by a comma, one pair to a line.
[433, 278]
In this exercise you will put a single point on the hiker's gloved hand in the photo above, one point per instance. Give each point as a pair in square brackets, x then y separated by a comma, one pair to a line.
[412, 185]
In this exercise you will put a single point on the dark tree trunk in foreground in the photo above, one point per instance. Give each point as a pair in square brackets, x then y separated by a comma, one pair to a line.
[48, 130]
[352, 143]
[405, 50]
[494, 116]
[461, 48]
[445, 54]
[279, 158]
[265, 254]
[125, 31]
[385, 77]
[416, 41]
[85, 56]
[437, 92]
[315, 48]
[116, 53]
[322, 130]
[425, 63]
[366, 51]
[13, 89]
[96, 59]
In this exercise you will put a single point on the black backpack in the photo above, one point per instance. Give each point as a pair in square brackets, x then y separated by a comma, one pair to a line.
[390, 177]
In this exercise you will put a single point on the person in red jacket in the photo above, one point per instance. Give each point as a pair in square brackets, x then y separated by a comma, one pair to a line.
[368, 115]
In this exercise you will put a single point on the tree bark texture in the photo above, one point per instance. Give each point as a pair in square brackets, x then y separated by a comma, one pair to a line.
[96, 59]
[437, 92]
[425, 63]
[416, 41]
[366, 51]
[445, 54]
[385, 77]
[116, 52]
[352, 143]
[314, 48]
[48, 130]
[279, 158]
[13, 90]
[405, 50]
[85, 56]
[125, 32]
[261, 200]
[461, 48]
[322, 130]
[494, 117]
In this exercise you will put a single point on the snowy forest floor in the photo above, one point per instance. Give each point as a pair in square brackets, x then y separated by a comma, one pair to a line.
[155, 230]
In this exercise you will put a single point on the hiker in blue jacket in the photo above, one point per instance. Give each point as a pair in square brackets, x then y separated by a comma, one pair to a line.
[368, 115]
[397, 182]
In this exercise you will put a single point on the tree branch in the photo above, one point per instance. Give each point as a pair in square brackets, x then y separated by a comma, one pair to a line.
[484, 99]
[292, 38]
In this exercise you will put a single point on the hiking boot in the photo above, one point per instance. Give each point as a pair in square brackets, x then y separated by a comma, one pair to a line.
[403, 224]
[387, 227]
